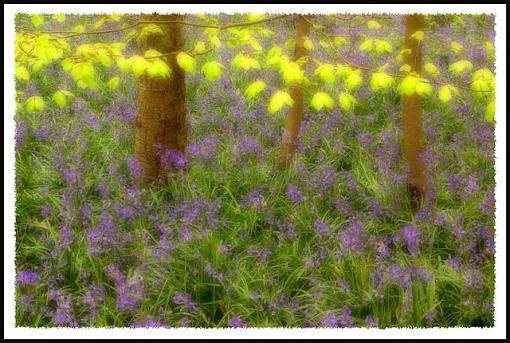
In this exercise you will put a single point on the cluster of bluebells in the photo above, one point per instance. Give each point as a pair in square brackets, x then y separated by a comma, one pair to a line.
[229, 242]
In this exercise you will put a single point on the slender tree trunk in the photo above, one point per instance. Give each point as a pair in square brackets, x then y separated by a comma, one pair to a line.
[295, 112]
[412, 117]
[161, 117]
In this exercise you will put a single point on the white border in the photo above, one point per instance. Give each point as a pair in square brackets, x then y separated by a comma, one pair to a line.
[9, 196]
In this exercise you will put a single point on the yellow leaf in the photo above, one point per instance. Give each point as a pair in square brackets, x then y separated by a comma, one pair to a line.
[113, 83]
[22, 73]
[278, 100]
[254, 89]
[321, 100]
[186, 62]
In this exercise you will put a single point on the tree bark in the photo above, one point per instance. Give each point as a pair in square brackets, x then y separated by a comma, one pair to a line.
[412, 117]
[161, 116]
[295, 112]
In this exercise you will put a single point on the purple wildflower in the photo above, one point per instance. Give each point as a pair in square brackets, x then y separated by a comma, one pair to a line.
[184, 299]
[329, 320]
[411, 236]
[294, 194]
[371, 322]
[27, 277]
[236, 322]
[134, 167]
[321, 228]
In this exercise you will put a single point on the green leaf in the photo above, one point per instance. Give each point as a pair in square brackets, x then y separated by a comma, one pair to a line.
[123, 64]
[354, 80]
[99, 23]
[431, 69]
[104, 60]
[199, 47]
[37, 65]
[490, 111]
[418, 35]
[151, 29]
[37, 20]
[367, 45]
[381, 81]
[445, 93]
[343, 71]
[186, 62]
[273, 52]
[326, 72]
[486, 76]
[480, 87]
[158, 68]
[59, 17]
[321, 100]
[408, 85]
[460, 66]
[215, 41]
[456, 47]
[255, 44]
[35, 103]
[292, 73]
[254, 17]
[241, 61]
[324, 43]
[22, 73]
[382, 46]
[254, 89]
[113, 83]
[79, 28]
[405, 68]
[60, 99]
[278, 100]
[346, 101]
[373, 25]
[423, 87]
[212, 70]
[307, 44]
[139, 65]
[152, 53]
[339, 41]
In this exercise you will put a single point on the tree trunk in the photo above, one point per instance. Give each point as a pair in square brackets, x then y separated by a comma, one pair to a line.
[412, 117]
[295, 112]
[161, 117]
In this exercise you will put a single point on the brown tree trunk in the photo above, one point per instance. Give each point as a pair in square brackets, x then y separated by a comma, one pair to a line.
[412, 117]
[295, 112]
[161, 117]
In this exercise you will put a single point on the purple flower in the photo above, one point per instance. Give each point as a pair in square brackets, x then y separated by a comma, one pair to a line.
[236, 322]
[27, 277]
[21, 131]
[411, 236]
[41, 134]
[46, 211]
[321, 228]
[247, 146]
[294, 194]
[353, 237]
[454, 263]
[149, 322]
[254, 199]
[134, 167]
[346, 321]
[371, 322]
[65, 236]
[171, 159]
[430, 315]
[329, 320]
[70, 176]
[184, 299]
